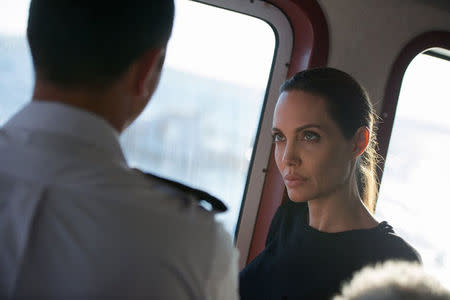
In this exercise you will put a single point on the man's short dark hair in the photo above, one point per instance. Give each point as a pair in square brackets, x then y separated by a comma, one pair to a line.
[91, 43]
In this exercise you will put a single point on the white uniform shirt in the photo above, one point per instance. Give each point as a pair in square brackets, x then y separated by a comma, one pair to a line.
[77, 223]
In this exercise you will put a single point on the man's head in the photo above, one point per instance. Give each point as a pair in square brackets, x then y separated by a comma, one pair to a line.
[90, 45]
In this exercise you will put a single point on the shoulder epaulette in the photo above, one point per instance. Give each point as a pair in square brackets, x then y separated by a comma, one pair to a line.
[200, 195]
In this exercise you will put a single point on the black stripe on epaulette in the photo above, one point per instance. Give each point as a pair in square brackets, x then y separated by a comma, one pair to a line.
[215, 203]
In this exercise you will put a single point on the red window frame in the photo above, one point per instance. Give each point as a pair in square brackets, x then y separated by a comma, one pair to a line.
[416, 46]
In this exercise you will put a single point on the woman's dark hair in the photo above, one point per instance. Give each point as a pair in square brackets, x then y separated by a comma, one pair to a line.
[350, 107]
[91, 43]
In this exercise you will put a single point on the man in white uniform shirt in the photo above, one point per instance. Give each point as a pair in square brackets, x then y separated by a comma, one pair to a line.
[75, 221]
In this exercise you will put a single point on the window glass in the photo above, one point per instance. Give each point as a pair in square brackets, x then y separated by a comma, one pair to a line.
[16, 76]
[200, 126]
[413, 194]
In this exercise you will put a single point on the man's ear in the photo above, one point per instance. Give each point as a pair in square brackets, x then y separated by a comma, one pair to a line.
[148, 69]
[360, 141]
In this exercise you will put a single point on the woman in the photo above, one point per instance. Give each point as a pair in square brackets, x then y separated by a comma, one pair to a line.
[325, 150]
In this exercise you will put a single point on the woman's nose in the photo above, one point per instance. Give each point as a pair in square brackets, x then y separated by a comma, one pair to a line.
[291, 154]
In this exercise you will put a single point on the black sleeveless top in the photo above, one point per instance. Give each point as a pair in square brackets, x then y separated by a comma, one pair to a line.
[300, 262]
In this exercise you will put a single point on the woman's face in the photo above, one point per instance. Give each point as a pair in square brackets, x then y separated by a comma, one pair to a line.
[311, 153]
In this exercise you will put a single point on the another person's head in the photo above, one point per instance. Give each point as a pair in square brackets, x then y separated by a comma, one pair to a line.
[393, 281]
[90, 45]
[323, 130]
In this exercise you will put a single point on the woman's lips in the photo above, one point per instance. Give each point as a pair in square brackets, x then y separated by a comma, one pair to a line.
[294, 180]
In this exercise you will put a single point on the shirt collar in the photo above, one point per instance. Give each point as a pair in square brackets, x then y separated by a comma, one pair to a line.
[62, 119]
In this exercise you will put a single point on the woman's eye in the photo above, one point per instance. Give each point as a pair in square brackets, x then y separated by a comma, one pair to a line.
[277, 137]
[311, 136]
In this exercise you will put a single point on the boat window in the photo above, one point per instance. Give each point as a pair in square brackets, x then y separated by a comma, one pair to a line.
[413, 195]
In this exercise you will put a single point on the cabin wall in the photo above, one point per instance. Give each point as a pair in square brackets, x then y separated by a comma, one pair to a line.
[367, 36]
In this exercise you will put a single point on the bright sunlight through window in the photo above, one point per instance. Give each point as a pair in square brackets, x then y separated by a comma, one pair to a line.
[413, 194]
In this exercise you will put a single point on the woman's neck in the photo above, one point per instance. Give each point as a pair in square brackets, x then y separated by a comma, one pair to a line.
[340, 211]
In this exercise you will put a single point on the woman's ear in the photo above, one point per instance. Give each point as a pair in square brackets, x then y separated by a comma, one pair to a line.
[360, 141]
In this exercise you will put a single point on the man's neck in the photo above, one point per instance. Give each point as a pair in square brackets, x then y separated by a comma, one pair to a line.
[106, 104]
